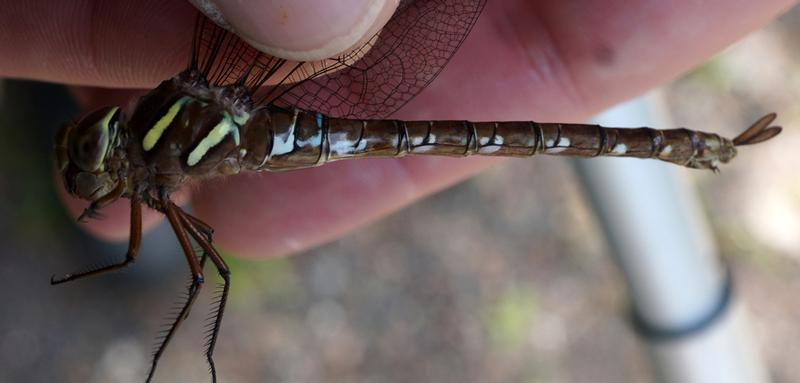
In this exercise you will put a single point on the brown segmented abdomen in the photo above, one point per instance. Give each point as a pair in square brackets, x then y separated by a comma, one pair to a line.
[284, 140]
[525, 139]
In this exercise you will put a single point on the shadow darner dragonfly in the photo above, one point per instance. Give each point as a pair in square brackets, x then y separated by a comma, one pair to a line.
[235, 109]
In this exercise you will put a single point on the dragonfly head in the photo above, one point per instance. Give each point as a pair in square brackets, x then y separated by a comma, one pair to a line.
[84, 152]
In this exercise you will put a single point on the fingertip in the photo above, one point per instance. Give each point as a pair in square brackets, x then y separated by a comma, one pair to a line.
[302, 30]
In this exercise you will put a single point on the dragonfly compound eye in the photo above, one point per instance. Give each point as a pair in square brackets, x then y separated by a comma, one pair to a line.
[90, 140]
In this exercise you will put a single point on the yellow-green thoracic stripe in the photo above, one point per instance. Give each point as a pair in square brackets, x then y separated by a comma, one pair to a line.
[218, 133]
[155, 133]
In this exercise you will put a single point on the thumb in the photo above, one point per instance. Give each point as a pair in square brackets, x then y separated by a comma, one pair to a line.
[301, 30]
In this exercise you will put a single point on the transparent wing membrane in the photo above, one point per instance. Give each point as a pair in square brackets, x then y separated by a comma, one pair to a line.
[371, 81]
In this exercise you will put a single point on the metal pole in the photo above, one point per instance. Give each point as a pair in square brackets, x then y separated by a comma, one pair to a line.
[680, 292]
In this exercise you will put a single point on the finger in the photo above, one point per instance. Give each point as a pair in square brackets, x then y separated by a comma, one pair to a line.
[565, 60]
[515, 66]
[302, 30]
[127, 44]
[510, 87]
[124, 44]
[105, 43]
[282, 213]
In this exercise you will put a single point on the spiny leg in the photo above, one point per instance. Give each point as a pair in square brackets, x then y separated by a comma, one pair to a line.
[130, 257]
[91, 211]
[204, 230]
[173, 215]
[203, 227]
[225, 273]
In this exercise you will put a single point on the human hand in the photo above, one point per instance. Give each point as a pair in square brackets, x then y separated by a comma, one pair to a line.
[542, 60]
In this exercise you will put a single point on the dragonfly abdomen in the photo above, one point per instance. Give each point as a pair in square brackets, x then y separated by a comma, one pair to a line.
[392, 138]
[282, 140]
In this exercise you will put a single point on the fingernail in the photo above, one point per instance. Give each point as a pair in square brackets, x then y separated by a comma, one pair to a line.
[302, 30]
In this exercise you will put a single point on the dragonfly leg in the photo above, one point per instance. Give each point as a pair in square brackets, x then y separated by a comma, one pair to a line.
[203, 227]
[130, 257]
[224, 272]
[91, 211]
[174, 213]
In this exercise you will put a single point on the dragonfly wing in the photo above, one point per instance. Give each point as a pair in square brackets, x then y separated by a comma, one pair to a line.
[371, 81]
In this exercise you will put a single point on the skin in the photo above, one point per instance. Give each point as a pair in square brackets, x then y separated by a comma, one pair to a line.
[526, 60]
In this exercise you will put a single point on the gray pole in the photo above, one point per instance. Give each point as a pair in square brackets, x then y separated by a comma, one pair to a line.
[660, 240]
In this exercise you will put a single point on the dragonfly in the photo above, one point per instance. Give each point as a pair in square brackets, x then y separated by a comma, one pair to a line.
[235, 109]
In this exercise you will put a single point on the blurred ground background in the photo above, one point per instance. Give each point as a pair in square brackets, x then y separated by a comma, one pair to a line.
[504, 278]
